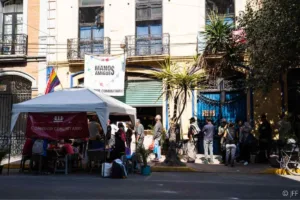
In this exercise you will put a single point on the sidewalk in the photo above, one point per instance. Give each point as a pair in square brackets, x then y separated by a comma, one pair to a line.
[198, 166]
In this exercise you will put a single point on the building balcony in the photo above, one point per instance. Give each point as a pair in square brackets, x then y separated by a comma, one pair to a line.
[148, 45]
[13, 48]
[78, 47]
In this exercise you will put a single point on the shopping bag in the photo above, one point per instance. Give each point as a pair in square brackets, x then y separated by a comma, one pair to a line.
[127, 151]
[106, 170]
[151, 147]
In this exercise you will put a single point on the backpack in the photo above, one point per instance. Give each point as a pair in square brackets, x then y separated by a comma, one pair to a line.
[195, 130]
[38, 147]
[118, 170]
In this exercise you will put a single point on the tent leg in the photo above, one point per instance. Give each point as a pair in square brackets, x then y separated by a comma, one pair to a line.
[104, 155]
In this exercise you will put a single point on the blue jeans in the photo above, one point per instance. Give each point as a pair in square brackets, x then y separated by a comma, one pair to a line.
[208, 146]
[157, 150]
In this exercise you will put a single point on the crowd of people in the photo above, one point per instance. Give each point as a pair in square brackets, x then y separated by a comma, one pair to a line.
[237, 142]
[118, 140]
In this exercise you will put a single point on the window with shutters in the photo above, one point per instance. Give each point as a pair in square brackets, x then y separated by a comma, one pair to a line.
[91, 27]
[148, 10]
[149, 27]
[222, 7]
[13, 39]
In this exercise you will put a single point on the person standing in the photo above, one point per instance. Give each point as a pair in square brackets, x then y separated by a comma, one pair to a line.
[238, 128]
[265, 136]
[120, 140]
[113, 130]
[284, 128]
[208, 131]
[246, 142]
[230, 140]
[221, 131]
[129, 133]
[193, 132]
[157, 137]
[95, 131]
[139, 130]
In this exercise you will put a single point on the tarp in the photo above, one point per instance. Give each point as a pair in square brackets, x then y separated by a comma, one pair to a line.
[75, 100]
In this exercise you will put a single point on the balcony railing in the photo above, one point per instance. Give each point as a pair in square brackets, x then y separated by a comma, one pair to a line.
[147, 45]
[13, 44]
[78, 47]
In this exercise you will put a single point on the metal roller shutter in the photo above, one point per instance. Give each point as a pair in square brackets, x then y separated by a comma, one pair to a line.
[142, 93]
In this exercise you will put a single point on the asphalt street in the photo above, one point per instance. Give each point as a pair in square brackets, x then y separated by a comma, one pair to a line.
[156, 186]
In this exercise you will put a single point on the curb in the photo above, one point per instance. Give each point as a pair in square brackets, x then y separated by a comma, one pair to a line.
[13, 166]
[278, 171]
[189, 169]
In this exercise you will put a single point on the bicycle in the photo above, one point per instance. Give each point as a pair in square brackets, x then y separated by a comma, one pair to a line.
[290, 158]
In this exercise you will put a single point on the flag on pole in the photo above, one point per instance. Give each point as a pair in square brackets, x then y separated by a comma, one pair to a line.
[53, 81]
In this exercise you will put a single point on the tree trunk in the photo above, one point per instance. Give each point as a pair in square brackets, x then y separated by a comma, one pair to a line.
[176, 97]
[183, 106]
[172, 158]
[168, 102]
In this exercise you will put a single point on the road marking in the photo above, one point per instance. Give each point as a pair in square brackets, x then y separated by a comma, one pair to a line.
[169, 192]
[146, 179]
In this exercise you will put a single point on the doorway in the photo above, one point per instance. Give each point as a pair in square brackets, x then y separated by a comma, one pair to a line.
[147, 115]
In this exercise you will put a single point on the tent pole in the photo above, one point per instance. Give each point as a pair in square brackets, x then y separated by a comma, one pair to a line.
[104, 154]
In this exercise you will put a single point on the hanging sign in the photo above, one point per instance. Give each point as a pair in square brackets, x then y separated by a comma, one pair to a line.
[208, 113]
[57, 126]
[105, 74]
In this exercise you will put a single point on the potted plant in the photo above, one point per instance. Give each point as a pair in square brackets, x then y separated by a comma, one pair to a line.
[143, 153]
[2, 155]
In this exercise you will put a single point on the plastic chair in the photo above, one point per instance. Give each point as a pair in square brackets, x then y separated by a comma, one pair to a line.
[62, 160]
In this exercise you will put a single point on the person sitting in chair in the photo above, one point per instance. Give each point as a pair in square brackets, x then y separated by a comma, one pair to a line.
[68, 148]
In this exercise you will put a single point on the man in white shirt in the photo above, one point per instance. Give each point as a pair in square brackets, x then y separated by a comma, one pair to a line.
[114, 129]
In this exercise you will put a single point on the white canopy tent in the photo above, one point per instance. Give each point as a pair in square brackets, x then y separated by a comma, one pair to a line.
[75, 100]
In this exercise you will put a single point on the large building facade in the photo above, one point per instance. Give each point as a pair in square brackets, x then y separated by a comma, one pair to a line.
[19, 62]
[145, 31]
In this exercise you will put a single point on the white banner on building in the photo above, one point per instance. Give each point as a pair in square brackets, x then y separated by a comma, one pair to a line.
[105, 74]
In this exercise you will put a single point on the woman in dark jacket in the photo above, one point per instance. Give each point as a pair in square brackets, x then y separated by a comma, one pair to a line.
[120, 139]
[129, 133]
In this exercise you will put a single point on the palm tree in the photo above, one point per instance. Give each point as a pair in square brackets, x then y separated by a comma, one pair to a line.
[220, 44]
[217, 34]
[179, 82]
